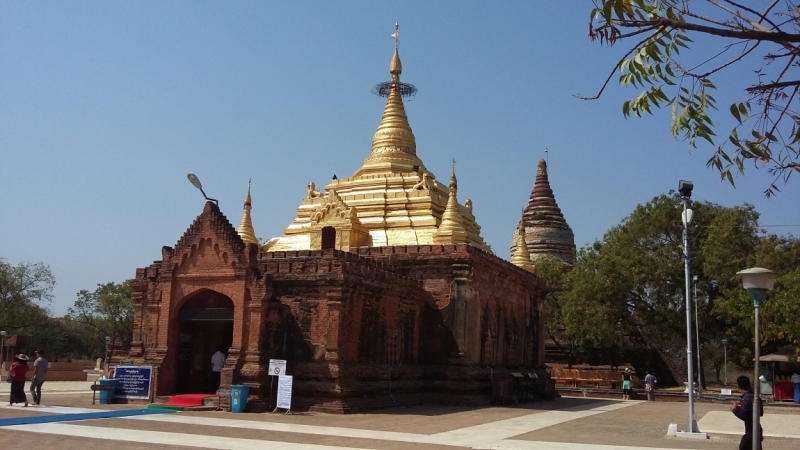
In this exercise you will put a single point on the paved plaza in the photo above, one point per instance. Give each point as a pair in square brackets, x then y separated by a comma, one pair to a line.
[568, 423]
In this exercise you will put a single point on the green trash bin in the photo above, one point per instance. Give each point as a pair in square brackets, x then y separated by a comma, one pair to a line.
[239, 393]
[107, 397]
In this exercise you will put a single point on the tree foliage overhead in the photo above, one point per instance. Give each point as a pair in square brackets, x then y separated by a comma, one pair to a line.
[762, 45]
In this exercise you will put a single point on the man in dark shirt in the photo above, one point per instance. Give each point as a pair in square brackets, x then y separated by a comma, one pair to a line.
[743, 409]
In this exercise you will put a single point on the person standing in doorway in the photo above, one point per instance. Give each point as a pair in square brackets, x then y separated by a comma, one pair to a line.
[37, 379]
[796, 383]
[650, 386]
[217, 361]
[626, 384]
[743, 409]
[16, 376]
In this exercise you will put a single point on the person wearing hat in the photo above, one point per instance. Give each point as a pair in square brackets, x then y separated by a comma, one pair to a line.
[626, 384]
[17, 377]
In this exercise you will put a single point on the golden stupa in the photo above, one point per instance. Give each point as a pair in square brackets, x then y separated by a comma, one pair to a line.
[392, 199]
[245, 230]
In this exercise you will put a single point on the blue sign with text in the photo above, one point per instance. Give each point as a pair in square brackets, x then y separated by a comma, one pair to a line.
[133, 382]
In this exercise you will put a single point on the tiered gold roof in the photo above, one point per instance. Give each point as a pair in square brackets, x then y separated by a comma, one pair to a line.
[398, 201]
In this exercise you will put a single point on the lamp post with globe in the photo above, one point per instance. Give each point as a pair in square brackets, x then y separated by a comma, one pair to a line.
[757, 281]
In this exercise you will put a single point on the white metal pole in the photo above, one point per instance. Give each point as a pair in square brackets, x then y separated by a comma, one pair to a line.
[697, 336]
[690, 375]
[757, 387]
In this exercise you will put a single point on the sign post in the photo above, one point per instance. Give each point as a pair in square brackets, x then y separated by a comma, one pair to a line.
[284, 394]
[277, 367]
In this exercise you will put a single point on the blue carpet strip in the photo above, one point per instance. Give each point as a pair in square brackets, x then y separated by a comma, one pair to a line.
[79, 416]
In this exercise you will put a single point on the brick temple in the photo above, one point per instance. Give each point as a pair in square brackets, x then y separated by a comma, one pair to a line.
[381, 290]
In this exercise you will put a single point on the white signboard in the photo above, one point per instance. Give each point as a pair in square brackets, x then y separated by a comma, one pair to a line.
[277, 367]
[284, 392]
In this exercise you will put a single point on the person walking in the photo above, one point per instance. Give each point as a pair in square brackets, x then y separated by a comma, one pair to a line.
[626, 384]
[650, 386]
[16, 376]
[217, 361]
[743, 409]
[796, 382]
[39, 373]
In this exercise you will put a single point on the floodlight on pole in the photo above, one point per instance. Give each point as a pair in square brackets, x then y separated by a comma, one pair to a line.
[685, 190]
[757, 281]
[196, 183]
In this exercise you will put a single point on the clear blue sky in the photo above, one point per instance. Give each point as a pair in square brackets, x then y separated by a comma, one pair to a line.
[105, 106]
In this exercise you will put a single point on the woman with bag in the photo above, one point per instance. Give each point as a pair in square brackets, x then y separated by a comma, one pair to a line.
[16, 375]
[650, 386]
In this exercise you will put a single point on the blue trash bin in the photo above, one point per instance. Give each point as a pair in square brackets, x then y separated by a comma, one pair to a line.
[106, 397]
[239, 393]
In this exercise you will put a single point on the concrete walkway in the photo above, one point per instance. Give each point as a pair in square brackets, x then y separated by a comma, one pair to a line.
[774, 425]
[580, 424]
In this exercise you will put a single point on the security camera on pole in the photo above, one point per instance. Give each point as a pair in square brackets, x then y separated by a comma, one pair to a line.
[685, 190]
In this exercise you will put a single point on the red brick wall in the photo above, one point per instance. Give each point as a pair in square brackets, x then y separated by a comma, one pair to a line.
[347, 322]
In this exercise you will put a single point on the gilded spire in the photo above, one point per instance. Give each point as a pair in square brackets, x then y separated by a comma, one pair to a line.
[396, 67]
[394, 147]
[451, 230]
[520, 257]
[246, 231]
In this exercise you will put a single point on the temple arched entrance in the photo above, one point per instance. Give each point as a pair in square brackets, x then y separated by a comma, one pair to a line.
[328, 238]
[206, 322]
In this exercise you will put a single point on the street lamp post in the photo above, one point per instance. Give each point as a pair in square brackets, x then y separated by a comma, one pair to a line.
[108, 341]
[697, 337]
[725, 355]
[196, 183]
[3, 347]
[757, 281]
[685, 190]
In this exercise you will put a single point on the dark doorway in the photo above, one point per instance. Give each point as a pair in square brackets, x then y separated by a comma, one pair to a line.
[206, 322]
[328, 238]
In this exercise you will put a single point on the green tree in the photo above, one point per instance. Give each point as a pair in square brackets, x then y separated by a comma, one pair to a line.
[25, 289]
[108, 311]
[761, 44]
[628, 290]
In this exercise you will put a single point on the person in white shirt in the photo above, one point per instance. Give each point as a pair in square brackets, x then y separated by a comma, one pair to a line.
[217, 362]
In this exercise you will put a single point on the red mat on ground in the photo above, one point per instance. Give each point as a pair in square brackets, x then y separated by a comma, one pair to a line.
[188, 399]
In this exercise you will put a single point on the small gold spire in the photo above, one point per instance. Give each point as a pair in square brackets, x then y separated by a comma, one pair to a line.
[521, 257]
[246, 231]
[451, 230]
[453, 181]
[396, 67]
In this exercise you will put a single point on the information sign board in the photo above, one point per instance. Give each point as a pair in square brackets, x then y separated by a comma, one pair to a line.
[277, 367]
[284, 392]
[133, 382]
